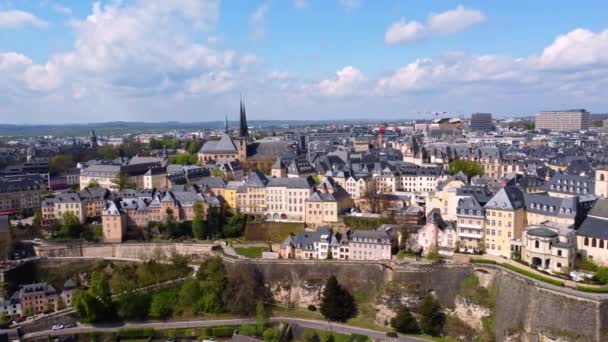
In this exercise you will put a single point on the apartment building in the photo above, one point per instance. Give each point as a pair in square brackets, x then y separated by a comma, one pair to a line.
[505, 220]
[437, 234]
[546, 248]
[37, 298]
[252, 194]
[592, 235]
[21, 193]
[370, 245]
[326, 203]
[286, 198]
[53, 208]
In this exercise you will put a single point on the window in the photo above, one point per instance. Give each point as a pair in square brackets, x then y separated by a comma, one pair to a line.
[601, 243]
[559, 253]
[536, 244]
[593, 243]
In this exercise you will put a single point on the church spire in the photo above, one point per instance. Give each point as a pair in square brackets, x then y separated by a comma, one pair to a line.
[243, 129]
[226, 124]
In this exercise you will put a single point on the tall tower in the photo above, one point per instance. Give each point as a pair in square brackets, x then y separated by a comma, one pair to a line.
[226, 124]
[93, 139]
[243, 129]
[601, 182]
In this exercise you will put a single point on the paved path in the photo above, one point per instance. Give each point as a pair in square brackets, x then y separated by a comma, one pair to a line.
[314, 324]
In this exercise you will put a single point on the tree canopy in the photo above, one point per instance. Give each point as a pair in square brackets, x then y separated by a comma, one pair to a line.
[337, 304]
[468, 167]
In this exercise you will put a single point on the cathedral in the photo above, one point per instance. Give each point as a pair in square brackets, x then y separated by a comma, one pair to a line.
[253, 155]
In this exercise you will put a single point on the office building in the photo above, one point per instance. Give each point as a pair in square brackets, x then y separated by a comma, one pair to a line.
[563, 120]
[481, 122]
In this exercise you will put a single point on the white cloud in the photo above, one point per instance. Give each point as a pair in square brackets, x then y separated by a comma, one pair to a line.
[455, 20]
[257, 21]
[350, 5]
[62, 9]
[402, 31]
[450, 21]
[346, 82]
[279, 75]
[213, 83]
[15, 19]
[576, 48]
[300, 4]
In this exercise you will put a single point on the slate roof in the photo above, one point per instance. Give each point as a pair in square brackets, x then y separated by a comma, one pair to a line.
[594, 227]
[542, 232]
[481, 193]
[305, 240]
[469, 203]
[291, 183]
[548, 205]
[508, 198]
[268, 149]
[224, 145]
[571, 184]
[434, 217]
[256, 179]
[370, 236]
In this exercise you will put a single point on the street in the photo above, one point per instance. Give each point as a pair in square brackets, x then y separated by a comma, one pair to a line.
[313, 324]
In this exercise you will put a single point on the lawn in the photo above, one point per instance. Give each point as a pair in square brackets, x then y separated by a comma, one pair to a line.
[271, 231]
[251, 252]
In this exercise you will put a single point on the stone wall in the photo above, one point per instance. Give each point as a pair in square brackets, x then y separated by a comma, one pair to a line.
[524, 309]
[141, 251]
[533, 313]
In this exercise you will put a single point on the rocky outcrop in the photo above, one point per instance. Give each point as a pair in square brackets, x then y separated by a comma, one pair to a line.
[308, 293]
[470, 313]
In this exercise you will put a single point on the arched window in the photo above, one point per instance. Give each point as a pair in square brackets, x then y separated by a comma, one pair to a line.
[602, 177]
[586, 241]
[536, 244]
[593, 242]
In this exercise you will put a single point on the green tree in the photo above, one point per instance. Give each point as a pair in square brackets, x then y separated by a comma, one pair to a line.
[121, 281]
[123, 181]
[311, 336]
[70, 226]
[198, 224]
[261, 318]
[235, 225]
[271, 335]
[432, 319]
[337, 304]
[5, 321]
[218, 173]
[100, 287]
[213, 280]
[602, 275]
[433, 254]
[37, 221]
[89, 308]
[404, 322]
[132, 305]
[163, 304]
[60, 163]
[468, 167]
[193, 146]
[170, 225]
[93, 184]
[107, 152]
[190, 294]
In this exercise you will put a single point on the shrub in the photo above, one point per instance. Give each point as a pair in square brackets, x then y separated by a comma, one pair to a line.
[312, 308]
[133, 333]
[534, 275]
[224, 331]
[483, 261]
[592, 289]
[405, 322]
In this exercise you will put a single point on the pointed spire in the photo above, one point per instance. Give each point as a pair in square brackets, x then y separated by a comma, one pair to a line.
[226, 124]
[243, 129]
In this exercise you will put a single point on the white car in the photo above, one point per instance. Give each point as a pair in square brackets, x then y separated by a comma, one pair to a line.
[57, 327]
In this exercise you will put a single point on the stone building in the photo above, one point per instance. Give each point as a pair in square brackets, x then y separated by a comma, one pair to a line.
[546, 248]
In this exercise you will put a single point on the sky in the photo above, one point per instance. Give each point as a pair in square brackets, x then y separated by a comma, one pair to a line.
[75, 61]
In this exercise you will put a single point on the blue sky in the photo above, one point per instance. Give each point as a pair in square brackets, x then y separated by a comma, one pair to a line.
[188, 60]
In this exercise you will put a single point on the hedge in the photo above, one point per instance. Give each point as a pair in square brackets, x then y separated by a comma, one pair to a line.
[483, 261]
[533, 275]
[132, 333]
[224, 331]
[592, 289]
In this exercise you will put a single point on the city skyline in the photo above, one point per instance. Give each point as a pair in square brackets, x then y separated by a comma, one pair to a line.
[188, 60]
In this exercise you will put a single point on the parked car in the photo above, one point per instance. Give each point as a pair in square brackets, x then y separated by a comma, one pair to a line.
[57, 327]
[392, 335]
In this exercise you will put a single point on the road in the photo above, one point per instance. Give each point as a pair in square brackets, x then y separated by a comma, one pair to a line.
[313, 324]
